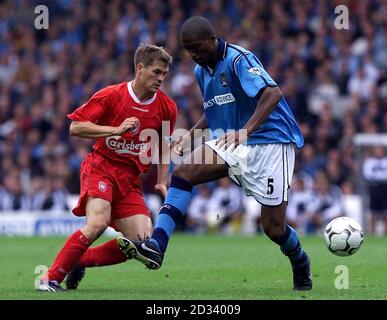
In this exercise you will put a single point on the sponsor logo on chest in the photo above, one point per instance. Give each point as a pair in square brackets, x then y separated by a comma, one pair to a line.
[124, 146]
[219, 100]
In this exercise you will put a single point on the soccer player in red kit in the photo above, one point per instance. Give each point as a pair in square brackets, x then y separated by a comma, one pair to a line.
[110, 183]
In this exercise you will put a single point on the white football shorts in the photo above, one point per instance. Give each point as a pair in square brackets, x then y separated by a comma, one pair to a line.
[264, 171]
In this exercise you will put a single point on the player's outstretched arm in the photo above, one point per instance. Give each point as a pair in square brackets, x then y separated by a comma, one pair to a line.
[266, 104]
[87, 129]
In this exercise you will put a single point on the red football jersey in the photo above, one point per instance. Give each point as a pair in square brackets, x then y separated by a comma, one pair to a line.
[111, 106]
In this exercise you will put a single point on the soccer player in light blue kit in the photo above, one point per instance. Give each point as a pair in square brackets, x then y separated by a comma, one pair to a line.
[258, 154]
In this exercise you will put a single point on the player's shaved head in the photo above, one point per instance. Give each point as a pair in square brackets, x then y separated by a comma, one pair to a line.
[197, 35]
[196, 28]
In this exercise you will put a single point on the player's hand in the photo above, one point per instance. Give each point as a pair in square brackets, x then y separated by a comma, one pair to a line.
[182, 144]
[231, 138]
[161, 188]
[129, 124]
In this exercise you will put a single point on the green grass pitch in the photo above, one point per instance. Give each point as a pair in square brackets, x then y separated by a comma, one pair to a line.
[202, 267]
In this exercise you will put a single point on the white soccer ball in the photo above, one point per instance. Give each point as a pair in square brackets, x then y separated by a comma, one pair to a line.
[343, 236]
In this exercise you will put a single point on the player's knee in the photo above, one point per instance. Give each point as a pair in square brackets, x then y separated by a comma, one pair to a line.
[93, 229]
[138, 231]
[183, 172]
[97, 226]
[142, 234]
[274, 231]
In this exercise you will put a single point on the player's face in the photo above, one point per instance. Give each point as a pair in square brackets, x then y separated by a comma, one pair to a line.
[203, 52]
[151, 77]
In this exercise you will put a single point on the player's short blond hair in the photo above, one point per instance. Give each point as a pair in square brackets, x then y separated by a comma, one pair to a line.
[148, 53]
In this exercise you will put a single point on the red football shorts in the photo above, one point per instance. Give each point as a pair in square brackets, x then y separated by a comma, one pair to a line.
[120, 185]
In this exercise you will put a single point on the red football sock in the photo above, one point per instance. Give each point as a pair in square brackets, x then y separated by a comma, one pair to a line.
[105, 254]
[75, 246]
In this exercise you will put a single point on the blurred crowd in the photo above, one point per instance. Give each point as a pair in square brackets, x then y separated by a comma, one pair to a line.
[334, 80]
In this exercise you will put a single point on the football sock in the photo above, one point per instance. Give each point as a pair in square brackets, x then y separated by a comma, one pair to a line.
[75, 246]
[291, 247]
[105, 254]
[172, 211]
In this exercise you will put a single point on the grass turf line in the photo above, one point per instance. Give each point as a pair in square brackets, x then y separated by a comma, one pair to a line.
[201, 267]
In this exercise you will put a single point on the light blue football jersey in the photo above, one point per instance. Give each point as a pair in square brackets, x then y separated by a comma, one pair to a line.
[231, 93]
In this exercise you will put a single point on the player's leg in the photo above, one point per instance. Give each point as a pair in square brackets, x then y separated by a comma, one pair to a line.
[97, 220]
[377, 201]
[185, 176]
[275, 165]
[275, 227]
[98, 214]
[130, 216]
[135, 227]
[138, 226]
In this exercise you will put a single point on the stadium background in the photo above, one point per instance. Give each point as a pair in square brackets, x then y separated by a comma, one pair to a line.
[334, 80]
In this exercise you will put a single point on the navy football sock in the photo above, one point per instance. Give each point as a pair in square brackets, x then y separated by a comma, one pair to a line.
[291, 247]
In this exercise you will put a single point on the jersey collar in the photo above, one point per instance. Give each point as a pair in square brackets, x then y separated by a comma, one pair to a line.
[136, 99]
[221, 54]
[222, 49]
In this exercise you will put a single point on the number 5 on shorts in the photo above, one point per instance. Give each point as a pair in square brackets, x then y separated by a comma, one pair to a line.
[270, 186]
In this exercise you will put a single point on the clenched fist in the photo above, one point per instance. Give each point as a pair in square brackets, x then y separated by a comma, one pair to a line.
[129, 124]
